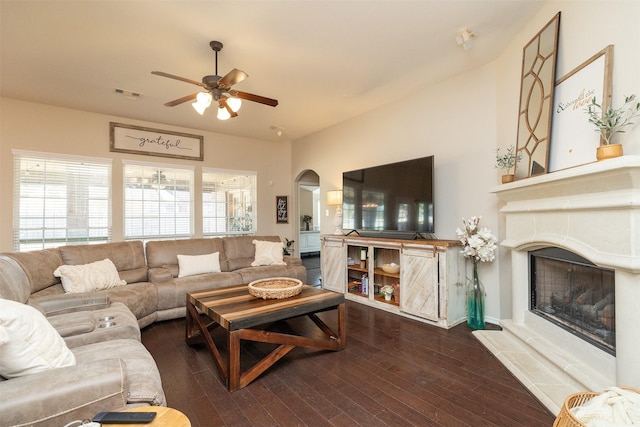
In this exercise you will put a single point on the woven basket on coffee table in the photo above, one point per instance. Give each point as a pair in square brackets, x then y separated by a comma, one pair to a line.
[275, 288]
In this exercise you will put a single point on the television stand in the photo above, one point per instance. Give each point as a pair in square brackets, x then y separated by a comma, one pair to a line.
[428, 287]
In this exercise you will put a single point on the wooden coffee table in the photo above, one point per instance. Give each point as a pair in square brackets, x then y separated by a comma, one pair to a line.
[245, 317]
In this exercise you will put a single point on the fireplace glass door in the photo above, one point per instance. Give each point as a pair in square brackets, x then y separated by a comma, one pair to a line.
[575, 294]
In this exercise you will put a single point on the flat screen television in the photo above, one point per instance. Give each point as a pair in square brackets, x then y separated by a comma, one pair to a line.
[390, 200]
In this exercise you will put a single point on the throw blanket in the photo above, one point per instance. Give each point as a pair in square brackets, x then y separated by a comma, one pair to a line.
[613, 407]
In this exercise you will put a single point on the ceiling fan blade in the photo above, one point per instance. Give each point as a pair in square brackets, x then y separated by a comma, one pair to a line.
[234, 76]
[223, 102]
[182, 79]
[181, 100]
[255, 98]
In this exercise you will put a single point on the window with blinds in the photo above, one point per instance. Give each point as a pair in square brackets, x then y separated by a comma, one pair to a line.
[228, 202]
[60, 200]
[158, 201]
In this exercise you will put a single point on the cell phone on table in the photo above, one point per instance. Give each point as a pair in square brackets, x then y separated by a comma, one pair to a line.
[124, 417]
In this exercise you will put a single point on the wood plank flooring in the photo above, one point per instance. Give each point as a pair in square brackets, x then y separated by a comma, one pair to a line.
[394, 372]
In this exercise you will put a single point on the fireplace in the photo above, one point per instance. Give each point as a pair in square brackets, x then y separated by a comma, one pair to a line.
[575, 294]
[590, 215]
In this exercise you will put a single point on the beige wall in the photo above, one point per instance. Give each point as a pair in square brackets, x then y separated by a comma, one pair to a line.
[43, 128]
[460, 120]
[463, 120]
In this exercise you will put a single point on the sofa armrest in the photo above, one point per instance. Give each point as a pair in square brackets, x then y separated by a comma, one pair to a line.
[57, 396]
[292, 260]
[68, 303]
[160, 275]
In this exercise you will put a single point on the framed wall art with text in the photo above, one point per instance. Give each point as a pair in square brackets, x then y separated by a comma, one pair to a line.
[154, 142]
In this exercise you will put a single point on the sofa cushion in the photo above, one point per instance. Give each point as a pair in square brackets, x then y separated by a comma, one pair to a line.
[39, 266]
[14, 283]
[190, 265]
[28, 342]
[141, 298]
[87, 327]
[164, 253]
[143, 378]
[128, 257]
[240, 250]
[95, 276]
[268, 253]
[174, 293]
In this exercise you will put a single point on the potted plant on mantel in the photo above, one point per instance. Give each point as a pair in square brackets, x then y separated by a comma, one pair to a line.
[506, 162]
[611, 122]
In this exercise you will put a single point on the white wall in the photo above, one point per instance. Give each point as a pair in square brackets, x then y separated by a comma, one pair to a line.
[43, 128]
[464, 119]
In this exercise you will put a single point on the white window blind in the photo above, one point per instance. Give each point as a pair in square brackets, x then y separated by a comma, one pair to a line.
[228, 202]
[158, 201]
[60, 200]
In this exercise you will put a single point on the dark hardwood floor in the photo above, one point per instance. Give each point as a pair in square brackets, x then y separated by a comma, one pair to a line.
[394, 372]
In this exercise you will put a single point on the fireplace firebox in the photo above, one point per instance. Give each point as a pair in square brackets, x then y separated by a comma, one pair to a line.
[575, 294]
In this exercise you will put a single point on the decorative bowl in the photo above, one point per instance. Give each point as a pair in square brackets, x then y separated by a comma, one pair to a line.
[275, 288]
[392, 268]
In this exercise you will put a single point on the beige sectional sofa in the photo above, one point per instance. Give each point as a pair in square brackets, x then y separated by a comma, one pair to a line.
[102, 327]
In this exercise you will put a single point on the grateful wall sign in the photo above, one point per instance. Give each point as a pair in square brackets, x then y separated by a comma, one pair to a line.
[154, 142]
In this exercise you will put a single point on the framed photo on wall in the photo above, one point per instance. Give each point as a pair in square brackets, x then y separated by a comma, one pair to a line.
[573, 139]
[282, 209]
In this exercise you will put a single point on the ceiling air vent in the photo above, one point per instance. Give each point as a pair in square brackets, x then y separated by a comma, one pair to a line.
[129, 94]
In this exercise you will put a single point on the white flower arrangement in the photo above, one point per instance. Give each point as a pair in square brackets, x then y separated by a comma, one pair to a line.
[386, 290]
[479, 244]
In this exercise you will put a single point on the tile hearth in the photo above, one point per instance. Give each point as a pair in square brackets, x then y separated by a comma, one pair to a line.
[591, 210]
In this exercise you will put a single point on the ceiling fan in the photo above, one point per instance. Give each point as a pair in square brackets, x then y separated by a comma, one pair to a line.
[219, 89]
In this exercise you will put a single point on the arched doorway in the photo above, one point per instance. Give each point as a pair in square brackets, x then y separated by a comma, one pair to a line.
[308, 241]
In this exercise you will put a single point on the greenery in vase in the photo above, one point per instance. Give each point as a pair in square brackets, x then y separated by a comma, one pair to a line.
[287, 246]
[508, 159]
[612, 120]
[307, 219]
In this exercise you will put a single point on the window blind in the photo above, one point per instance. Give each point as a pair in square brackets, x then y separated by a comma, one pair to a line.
[158, 201]
[60, 200]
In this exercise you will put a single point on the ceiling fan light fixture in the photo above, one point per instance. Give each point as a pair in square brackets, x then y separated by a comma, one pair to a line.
[223, 114]
[234, 103]
[465, 39]
[203, 101]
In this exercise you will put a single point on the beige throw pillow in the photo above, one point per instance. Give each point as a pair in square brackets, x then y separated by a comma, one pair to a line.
[268, 253]
[91, 277]
[28, 342]
[189, 265]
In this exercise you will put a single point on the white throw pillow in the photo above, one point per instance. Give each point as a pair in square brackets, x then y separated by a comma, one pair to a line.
[28, 342]
[91, 277]
[268, 253]
[188, 265]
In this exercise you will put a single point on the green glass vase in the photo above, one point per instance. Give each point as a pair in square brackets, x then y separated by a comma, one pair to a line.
[475, 301]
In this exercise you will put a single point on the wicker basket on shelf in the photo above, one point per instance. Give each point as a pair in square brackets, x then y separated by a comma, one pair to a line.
[566, 418]
[275, 288]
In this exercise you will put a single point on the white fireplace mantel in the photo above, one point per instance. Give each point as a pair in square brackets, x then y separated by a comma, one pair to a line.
[592, 210]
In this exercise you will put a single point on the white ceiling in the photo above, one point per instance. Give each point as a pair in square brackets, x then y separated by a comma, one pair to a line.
[325, 61]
